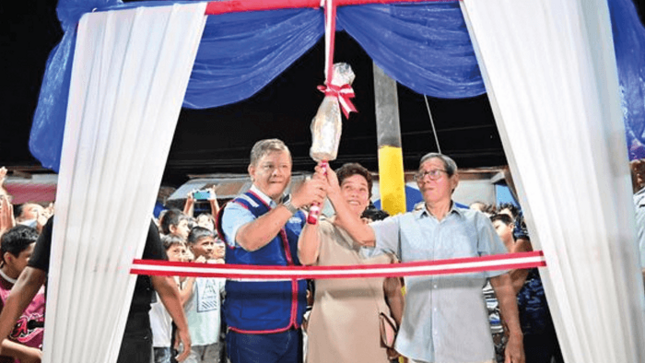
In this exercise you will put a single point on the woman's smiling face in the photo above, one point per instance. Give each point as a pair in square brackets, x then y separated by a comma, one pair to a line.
[356, 193]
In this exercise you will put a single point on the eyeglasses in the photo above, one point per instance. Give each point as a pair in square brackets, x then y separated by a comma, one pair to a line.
[434, 174]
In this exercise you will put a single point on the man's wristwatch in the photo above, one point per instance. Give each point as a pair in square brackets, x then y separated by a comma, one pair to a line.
[290, 207]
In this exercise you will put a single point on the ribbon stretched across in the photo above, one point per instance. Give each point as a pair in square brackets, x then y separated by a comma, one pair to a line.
[418, 268]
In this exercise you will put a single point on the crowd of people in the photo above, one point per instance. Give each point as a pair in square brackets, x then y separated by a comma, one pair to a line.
[493, 316]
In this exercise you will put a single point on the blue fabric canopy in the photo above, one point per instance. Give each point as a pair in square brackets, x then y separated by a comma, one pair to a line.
[240, 53]
[424, 46]
[629, 46]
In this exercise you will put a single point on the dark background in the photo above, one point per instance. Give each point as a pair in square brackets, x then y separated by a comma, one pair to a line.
[219, 140]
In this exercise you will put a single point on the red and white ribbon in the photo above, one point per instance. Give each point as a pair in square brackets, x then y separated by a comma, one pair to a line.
[420, 268]
[345, 92]
[330, 35]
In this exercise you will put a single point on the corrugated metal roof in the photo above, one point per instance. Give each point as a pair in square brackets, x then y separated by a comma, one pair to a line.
[231, 185]
[37, 188]
[227, 185]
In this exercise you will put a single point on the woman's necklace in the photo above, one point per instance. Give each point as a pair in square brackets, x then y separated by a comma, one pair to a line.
[4, 276]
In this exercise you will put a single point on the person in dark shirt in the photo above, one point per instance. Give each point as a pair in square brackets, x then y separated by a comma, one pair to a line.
[137, 335]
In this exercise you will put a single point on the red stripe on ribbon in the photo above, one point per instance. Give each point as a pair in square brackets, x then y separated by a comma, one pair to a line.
[418, 268]
[234, 6]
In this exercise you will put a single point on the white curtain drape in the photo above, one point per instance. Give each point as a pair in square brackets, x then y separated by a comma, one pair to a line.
[129, 77]
[550, 74]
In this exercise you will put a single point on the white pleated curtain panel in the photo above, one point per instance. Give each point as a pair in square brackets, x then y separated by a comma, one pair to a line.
[129, 78]
[550, 73]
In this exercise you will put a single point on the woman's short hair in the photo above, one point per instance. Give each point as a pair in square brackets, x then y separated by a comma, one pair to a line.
[351, 169]
[264, 147]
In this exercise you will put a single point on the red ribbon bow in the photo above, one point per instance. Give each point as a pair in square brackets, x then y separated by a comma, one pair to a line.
[343, 94]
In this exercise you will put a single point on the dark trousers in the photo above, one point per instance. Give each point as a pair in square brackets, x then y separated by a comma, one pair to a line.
[285, 347]
[136, 346]
[540, 348]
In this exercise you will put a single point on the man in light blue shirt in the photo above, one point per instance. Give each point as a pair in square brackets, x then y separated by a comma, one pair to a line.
[445, 318]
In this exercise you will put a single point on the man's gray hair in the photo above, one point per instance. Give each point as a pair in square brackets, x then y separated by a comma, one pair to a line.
[448, 163]
[266, 146]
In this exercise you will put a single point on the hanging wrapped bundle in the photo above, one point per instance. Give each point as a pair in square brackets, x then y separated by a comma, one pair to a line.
[327, 125]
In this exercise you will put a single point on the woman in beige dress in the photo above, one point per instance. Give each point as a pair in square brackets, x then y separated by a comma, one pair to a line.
[344, 322]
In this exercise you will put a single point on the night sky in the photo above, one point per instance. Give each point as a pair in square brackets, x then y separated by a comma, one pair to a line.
[219, 140]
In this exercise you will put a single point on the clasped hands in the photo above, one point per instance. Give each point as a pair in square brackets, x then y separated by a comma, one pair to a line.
[314, 190]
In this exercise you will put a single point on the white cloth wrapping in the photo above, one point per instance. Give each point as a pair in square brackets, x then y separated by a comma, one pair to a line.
[129, 78]
[550, 73]
[327, 126]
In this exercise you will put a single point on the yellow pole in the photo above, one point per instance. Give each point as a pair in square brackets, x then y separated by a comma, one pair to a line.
[391, 179]
[390, 154]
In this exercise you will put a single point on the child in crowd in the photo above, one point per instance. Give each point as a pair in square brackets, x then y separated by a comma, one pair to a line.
[160, 320]
[25, 341]
[175, 222]
[509, 209]
[204, 304]
[503, 224]
[206, 220]
[219, 251]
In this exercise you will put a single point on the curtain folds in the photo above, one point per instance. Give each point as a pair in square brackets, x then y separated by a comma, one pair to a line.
[551, 78]
[129, 76]
[629, 45]
[425, 47]
[240, 53]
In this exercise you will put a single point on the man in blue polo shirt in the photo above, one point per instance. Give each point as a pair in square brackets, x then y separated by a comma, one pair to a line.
[261, 227]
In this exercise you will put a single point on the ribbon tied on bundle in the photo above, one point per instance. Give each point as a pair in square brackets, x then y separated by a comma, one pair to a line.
[343, 94]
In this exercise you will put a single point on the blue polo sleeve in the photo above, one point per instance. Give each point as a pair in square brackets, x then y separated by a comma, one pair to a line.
[235, 216]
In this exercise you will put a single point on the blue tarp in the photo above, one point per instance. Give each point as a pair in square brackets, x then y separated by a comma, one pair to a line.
[424, 46]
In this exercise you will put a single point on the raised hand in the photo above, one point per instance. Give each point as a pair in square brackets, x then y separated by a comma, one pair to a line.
[333, 187]
[311, 191]
[7, 220]
[3, 175]
[213, 194]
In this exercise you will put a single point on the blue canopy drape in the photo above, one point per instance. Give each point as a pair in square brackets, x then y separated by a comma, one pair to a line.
[424, 46]
[629, 46]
